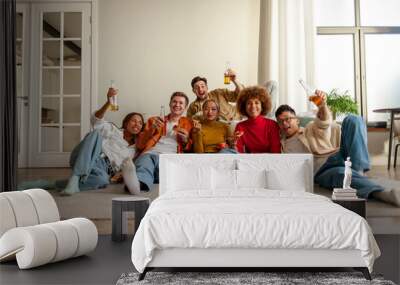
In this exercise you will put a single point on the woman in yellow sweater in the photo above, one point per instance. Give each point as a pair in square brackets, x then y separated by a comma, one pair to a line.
[211, 135]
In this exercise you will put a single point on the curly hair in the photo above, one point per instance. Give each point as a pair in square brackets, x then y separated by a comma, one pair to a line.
[254, 92]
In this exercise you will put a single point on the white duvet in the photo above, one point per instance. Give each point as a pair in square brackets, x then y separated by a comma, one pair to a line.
[251, 218]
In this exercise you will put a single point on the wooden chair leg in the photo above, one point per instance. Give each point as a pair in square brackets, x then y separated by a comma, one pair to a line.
[395, 155]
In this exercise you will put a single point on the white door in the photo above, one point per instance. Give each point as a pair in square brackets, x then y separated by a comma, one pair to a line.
[60, 81]
[22, 72]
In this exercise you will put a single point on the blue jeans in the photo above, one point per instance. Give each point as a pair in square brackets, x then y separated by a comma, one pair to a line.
[87, 163]
[147, 168]
[353, 144]
[228, 150]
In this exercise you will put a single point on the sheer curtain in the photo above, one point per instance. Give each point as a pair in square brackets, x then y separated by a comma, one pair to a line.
[286, 49]
[8, 106]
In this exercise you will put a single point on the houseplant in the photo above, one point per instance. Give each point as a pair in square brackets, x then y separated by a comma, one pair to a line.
[341, 103]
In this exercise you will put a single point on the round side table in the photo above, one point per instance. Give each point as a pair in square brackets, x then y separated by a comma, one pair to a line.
[121, 205]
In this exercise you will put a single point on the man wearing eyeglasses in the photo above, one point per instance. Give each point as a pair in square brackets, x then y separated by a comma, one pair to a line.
[330, 145]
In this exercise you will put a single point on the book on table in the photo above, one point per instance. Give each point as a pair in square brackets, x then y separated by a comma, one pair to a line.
[344, 194]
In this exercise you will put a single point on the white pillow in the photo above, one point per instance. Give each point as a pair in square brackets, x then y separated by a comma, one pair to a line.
[290, 180]
[281, 174]
[224, 179]
[185, 177]
[251, 178]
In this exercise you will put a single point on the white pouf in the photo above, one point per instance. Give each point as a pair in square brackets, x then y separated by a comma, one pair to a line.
[31, 232]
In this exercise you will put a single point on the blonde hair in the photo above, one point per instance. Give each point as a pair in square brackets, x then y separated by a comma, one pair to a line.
[208, 101]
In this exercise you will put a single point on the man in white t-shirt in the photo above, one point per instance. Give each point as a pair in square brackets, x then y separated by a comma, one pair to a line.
[162, 135]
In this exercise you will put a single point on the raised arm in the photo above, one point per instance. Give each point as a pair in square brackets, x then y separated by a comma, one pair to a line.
[100, 112]
[232, 96]
[324, 113]
[239, 86]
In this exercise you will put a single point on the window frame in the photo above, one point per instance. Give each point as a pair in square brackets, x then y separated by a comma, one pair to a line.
[359, 32]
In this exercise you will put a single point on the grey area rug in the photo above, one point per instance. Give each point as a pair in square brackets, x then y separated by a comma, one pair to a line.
[229, 278]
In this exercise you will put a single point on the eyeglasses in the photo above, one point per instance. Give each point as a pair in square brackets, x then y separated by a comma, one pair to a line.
[285, 120]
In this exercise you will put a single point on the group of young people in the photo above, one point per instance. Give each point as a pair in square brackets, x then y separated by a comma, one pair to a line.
[134, 149]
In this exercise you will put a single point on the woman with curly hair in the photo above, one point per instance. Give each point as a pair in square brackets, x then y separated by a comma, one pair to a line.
[257, 134]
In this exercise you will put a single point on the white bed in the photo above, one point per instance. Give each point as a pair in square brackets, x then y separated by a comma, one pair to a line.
[231, 211]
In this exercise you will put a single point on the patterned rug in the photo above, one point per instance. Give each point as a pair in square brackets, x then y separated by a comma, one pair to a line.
[231, 278]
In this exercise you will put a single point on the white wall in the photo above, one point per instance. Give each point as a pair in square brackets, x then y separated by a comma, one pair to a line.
[152, 48]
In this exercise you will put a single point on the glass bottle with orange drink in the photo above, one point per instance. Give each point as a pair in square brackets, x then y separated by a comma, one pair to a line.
[317, 100]
[227, 77]
[113, 99]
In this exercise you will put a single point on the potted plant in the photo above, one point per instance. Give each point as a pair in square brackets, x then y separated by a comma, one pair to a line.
[341, 103]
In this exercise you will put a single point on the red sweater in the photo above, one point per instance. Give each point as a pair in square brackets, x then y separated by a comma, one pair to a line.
[260, 135]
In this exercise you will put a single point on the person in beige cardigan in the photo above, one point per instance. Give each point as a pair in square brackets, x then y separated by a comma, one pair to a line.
[330, 144]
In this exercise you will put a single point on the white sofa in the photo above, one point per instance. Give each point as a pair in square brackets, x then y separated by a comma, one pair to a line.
[31, 230]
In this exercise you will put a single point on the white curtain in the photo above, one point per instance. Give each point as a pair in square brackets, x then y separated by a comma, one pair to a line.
[286, 50]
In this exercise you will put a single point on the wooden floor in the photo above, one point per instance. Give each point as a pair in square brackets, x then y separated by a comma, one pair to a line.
[28, 174]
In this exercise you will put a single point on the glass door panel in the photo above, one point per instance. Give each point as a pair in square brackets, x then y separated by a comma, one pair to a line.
[71, 135]
[72, 25]
[51, 25]
[72, 82]
[51, 82]
[72, 110]
[51, 53]
[50, 138]
[72, 53]
[50, 110]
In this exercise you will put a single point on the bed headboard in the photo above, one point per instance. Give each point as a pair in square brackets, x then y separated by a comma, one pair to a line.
[288, 166]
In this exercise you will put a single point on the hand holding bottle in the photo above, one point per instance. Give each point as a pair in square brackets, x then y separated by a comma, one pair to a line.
[112, 96]
[314, 95]
[196, 126]
[182, 134]
[236, 136]
[111, 92]
[229, 74]
[157, 123]
[318, 98]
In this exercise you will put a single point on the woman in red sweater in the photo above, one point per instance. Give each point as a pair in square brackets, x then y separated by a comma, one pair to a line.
[257, 134]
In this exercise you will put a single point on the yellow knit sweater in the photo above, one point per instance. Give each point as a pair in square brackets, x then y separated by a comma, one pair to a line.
[210, 136]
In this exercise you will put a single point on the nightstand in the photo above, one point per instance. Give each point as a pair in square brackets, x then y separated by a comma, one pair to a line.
[121, 205]
[356, 205]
